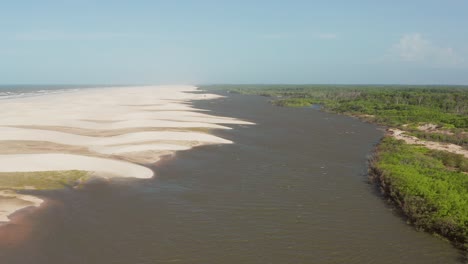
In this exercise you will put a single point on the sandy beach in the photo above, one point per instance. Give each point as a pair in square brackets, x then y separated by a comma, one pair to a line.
[109, 132]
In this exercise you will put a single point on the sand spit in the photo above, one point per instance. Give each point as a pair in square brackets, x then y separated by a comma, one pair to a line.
[62, 162]
[100, 130]
[117, 132]
[136, 148]
[9, 133]
[10, 202]
[110, 124]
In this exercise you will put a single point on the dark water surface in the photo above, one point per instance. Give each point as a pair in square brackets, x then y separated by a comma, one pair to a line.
[291, 190]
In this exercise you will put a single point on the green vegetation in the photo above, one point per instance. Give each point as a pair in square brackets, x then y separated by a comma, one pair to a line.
[450, 160]
[429, 186]
[388, 105]
[41, 180]
[457, 138]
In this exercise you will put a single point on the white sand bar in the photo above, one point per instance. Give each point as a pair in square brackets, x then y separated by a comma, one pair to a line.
[135, 148]
[136, 123]
[110, 125]
[62, 162]
[12, 133]
[10, 202]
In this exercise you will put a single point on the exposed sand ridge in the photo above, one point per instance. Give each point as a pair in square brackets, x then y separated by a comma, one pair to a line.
[100, 130]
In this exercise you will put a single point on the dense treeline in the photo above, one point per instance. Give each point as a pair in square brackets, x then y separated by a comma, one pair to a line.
[389, 105]
[429, 186]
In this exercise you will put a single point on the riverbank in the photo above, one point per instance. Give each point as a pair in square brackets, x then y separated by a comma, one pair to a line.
[63, 138]
[430, 194]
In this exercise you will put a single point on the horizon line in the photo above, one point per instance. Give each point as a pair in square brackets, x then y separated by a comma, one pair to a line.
[212, 84]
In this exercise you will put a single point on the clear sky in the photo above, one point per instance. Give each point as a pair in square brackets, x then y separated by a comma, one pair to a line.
[255, 41]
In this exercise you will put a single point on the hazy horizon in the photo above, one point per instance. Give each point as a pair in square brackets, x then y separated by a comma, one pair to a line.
[221, 84]
[242, 42]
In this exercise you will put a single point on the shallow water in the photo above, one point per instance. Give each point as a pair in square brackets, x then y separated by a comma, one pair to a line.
[291, 190]
[18, 91]
[15, 91]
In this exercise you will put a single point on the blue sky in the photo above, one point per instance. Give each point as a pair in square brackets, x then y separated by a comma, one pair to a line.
[204, 41]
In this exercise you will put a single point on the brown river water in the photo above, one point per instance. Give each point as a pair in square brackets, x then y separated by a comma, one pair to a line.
[292, 189]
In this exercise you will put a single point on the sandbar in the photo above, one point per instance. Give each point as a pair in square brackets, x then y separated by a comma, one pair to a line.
[109, 132]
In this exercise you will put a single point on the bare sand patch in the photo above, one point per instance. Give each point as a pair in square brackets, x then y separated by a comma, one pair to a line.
[116, 132]
[148, 157]
[137, 121]
[10, 202]
[433, 128]
[399, 134]
[62, 162]
[14, 133]
[142, 153]
[36, 147]
[141, 147]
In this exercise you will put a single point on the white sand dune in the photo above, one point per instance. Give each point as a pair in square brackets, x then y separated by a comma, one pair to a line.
[116, 113]
[136, 123]
[62, 162]
[13, 133]
[136, 148]
[100, 125]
